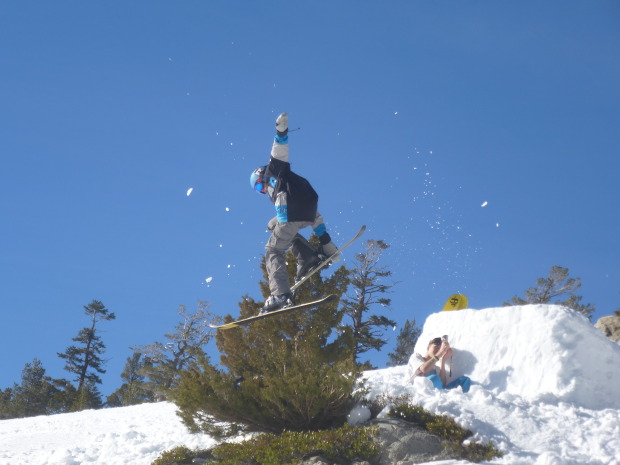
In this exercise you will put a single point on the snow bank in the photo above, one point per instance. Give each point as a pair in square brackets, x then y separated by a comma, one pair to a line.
[547, 388]
[533, 351]
[118, 436]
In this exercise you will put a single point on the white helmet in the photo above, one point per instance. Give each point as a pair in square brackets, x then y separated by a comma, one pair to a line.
[256, 179]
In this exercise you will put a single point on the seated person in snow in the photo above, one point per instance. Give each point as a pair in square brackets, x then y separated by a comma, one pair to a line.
[438, 350]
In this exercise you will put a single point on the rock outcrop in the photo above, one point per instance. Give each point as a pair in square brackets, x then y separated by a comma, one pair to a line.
[610, 326]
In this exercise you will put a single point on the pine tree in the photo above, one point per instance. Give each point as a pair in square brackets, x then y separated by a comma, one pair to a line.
[84, 360]
[405, 344]
[63, 397]
[368, 281]
[88, 397]
[134, 389]
[32, 396]
[164, 361]
[6, 404]
[557, 284]
[290, 372]
[37, 394]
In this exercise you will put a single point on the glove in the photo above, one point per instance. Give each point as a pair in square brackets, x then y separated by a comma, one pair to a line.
[330, 249]
[272, 223]
[282, 125]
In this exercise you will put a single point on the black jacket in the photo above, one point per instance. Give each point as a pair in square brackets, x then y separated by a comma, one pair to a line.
[292, 195]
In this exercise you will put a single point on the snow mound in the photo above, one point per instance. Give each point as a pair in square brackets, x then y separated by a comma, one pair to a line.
[545, 390]
[537, 352]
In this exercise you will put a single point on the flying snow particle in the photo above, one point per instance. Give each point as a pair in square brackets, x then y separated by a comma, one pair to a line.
[227, 209]
[189, 191]
[484, 204]
[209, 279]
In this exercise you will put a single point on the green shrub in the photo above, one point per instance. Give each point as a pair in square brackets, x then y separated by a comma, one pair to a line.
[380, 402]
[297, 374]
[412, 413]
[476, 452]
[446, 428]
[178, 455]
[344, 444]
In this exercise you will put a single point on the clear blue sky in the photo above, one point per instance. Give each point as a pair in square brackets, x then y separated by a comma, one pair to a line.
[413, 114]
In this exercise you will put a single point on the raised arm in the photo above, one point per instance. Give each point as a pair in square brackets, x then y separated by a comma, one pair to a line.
[279, 150]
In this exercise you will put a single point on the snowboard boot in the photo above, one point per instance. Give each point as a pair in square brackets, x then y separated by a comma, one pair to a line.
[277, 302]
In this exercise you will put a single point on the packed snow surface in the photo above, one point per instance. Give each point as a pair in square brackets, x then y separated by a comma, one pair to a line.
[128, 435]
[546, 392]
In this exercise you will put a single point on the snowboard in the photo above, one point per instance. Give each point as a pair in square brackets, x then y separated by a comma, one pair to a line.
[245, 321]
[456, 302]
[326, 262]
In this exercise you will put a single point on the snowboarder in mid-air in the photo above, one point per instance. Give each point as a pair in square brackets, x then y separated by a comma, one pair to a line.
[296, 204]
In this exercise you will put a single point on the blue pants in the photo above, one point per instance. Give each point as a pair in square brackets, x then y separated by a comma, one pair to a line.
[462, 381]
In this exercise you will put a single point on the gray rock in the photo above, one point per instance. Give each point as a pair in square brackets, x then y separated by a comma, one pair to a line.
[318, 460]
[403, 443]
[610, 326]
[199, 461]
[400, 443]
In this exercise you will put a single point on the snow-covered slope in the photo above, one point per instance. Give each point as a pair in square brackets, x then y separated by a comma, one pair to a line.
[129, 435]
[546, 392]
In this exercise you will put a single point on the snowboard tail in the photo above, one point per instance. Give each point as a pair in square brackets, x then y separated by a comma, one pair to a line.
[456, 302]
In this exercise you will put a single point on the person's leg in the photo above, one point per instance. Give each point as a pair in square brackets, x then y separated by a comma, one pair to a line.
[462, 381]
[466, 384]
[436, 380]
[280, 241]
[306, 255]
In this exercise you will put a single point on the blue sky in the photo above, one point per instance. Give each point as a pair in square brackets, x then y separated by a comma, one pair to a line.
[413, 115]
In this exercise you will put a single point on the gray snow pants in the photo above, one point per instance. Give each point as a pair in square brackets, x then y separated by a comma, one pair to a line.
[282, 238]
